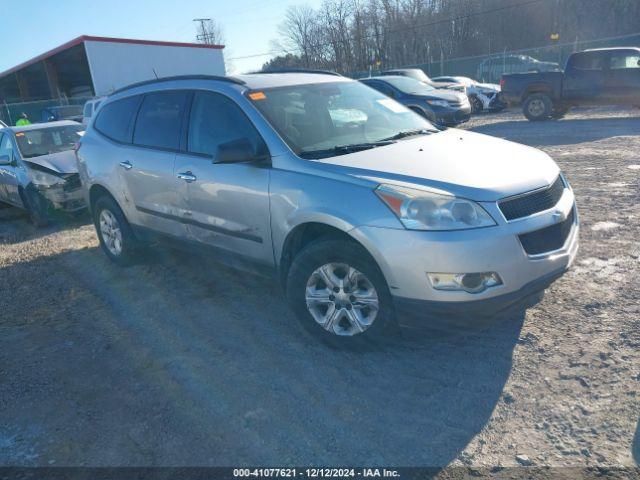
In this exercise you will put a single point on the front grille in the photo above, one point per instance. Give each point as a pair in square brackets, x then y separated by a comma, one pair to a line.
[534, 202]
[72, 182]
[547, 239]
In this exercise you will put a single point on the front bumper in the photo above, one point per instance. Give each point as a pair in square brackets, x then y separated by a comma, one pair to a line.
[59, 199]
[405, 257]
[451, 116]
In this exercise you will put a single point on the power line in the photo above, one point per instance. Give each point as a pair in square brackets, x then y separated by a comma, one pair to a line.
[429, 24]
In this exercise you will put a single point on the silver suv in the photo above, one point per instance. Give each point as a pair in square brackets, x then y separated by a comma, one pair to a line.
[369, 215]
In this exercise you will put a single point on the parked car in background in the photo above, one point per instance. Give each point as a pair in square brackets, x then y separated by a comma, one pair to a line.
[38, 170]
[482, 96]
[439, 106]
[374, 220]
[418, 74]
[608, 76]
[491, 69]
[62, 112]
[89, 109]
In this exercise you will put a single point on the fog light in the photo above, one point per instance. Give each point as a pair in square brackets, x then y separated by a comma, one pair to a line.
[468, 282]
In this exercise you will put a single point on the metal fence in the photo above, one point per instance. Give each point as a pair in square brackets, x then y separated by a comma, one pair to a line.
[489, 68]
[39, 111]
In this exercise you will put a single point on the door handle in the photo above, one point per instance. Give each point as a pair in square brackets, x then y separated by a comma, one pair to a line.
[126, 165]
[187, 177]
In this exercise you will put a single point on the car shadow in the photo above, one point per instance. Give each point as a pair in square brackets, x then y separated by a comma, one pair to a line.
[561, 132]
[15, 225]
[184, 362]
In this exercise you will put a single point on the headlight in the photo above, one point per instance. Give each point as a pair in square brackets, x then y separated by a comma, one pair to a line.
[438, 103]
[41, 179]
[420, 210]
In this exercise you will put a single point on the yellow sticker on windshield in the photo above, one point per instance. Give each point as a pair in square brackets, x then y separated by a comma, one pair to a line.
[257, 96]
[20, 134]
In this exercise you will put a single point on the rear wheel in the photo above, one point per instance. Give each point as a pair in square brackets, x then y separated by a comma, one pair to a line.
[537, 107]
[339, 294]
[114, 232]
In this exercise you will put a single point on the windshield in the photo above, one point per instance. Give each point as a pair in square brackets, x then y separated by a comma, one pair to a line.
[409, 85]
[47, 140]
[315, 117]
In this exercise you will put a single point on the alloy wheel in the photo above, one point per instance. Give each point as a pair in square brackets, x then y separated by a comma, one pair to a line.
[341, 299]
[111, 232]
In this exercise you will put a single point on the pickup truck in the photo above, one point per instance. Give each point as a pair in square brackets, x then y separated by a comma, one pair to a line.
[608, 76]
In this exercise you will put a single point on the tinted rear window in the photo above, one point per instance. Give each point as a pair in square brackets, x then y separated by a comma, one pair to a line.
[587, 61]
[114, 119]
[159, 120]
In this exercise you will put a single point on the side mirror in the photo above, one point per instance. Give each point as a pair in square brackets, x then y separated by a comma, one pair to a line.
[238, 151]
[6, 160]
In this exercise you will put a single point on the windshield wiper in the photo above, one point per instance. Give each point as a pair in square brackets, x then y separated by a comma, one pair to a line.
[409, 133]
[344, 149]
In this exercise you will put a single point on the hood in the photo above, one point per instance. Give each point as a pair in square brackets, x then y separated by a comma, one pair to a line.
[447, 85]
[466, 164]
[61, 162]
[441, 94]
[488, 86]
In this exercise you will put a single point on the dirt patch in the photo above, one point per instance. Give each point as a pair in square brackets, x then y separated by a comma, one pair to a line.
[179, 361]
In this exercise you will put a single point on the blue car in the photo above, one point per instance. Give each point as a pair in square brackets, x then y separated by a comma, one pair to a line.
[442, 107]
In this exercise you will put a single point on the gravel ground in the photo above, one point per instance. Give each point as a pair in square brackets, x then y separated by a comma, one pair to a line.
[181, 362]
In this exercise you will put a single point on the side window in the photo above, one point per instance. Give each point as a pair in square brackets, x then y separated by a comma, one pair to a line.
[621, 61]
[587, 61]
[159, 120]
[215, 119]
[6, 145]
[114, 119]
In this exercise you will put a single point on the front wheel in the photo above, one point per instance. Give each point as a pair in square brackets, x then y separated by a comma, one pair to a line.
[476, 104]
[339, 294]
[537, 107]
[114, 233]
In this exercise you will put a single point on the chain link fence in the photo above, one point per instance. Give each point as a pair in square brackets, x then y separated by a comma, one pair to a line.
[43, 110]
[489, 68]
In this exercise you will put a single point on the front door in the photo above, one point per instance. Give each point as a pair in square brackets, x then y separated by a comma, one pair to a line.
[226, 204]
[147, 167]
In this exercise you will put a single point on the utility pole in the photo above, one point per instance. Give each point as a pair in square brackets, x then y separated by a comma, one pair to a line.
[204, 36]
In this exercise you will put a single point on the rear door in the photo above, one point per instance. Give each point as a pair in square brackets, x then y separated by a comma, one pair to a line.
[623, 77]
[584, 78]
[147, 166]
[227, 204]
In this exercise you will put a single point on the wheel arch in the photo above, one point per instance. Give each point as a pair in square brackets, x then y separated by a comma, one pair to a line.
[308, 232]
[538, 88]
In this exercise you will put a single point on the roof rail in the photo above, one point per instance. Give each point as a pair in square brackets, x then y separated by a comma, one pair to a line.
[302, 70]
[180, 77]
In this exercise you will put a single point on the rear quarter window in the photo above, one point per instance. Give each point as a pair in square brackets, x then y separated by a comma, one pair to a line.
[115, 119]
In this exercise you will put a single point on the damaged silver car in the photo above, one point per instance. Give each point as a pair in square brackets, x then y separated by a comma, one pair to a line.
[38, 170]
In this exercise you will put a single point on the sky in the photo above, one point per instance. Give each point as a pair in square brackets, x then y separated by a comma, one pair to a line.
[31, 27]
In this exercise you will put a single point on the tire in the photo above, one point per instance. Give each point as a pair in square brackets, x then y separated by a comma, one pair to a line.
[360, 315]
[36, 207]
[114, 232]
[537, 107]
[428, 114]
[476, 104]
